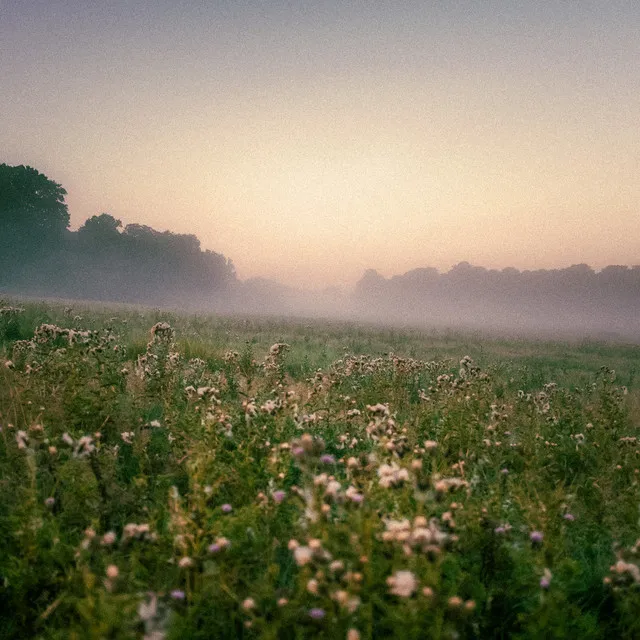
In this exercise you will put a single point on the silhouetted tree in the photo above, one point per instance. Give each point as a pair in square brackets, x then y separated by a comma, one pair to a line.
[100, 228]
[33, 218]
[30, 203]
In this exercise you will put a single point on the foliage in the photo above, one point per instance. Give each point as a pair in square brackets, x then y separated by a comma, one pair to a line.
[38, 255]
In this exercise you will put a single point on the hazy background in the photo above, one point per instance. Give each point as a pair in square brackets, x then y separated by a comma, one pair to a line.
[309, 141]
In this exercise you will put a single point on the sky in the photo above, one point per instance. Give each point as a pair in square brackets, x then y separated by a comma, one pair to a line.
[309, 141]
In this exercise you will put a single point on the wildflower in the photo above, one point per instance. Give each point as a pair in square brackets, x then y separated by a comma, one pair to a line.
[446, 484]
[336, 565]
[327, 459]
[352, 494]
[177, 594]
[49, 502]
[353, 634]
[454, 602]
[545, 581]
[108, 538]
[302, 555]
[536, 537]
[279, 496]
[621, 567]
[147, 611]
[185, 562]
[391, 475]
[248, 604]
[127, 437]
[430, 445]
[22, 438]
[133, 530]
[569, 516]
[316, 613]
[112, 572]
[312, 587]
[379, 409]
[84, 447]
[333, 487]
[402, 583]
[226, 508]
[282, 602]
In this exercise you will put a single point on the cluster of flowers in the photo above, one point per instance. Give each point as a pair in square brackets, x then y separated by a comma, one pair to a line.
[422, 535]
[10, 311]
[160, 356]
[274, 360]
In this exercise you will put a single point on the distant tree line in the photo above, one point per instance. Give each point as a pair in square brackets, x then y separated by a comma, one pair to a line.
[103, 260]
[575, 298]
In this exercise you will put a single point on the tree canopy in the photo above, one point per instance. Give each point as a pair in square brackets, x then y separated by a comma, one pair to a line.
[31, 203]
[102, 260]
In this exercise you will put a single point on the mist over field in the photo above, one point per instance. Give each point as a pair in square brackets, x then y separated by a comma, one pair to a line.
[102, 260]
[136, 264]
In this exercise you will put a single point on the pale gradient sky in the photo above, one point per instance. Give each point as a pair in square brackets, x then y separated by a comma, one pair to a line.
[308, 141]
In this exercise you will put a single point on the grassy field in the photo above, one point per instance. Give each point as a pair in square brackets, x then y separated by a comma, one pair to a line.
[169, 476]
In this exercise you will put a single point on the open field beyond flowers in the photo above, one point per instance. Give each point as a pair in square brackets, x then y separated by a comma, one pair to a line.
[168, 476]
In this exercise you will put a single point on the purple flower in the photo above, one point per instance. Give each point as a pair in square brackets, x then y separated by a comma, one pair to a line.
[316, 613]
[327, 458]
[569, 516]
[500, 530]
[279, 496]
[297, 451]
[226, 508]
[536, 537]
[504, 472]
[545, 581]
[177, 594]
[214, 548]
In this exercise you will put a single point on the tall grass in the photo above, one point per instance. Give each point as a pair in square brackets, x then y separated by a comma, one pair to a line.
[169, 476]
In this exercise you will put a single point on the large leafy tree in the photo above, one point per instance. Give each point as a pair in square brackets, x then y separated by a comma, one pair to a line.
[31, 205]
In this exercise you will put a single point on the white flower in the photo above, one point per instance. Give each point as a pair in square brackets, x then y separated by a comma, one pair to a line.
[392, 475]
[402, 583]
[22, 438]
[108, 538]
[302, 555]
[112, 572]
[148, 611]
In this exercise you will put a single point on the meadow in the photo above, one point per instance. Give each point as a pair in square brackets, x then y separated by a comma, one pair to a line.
[169, 476]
